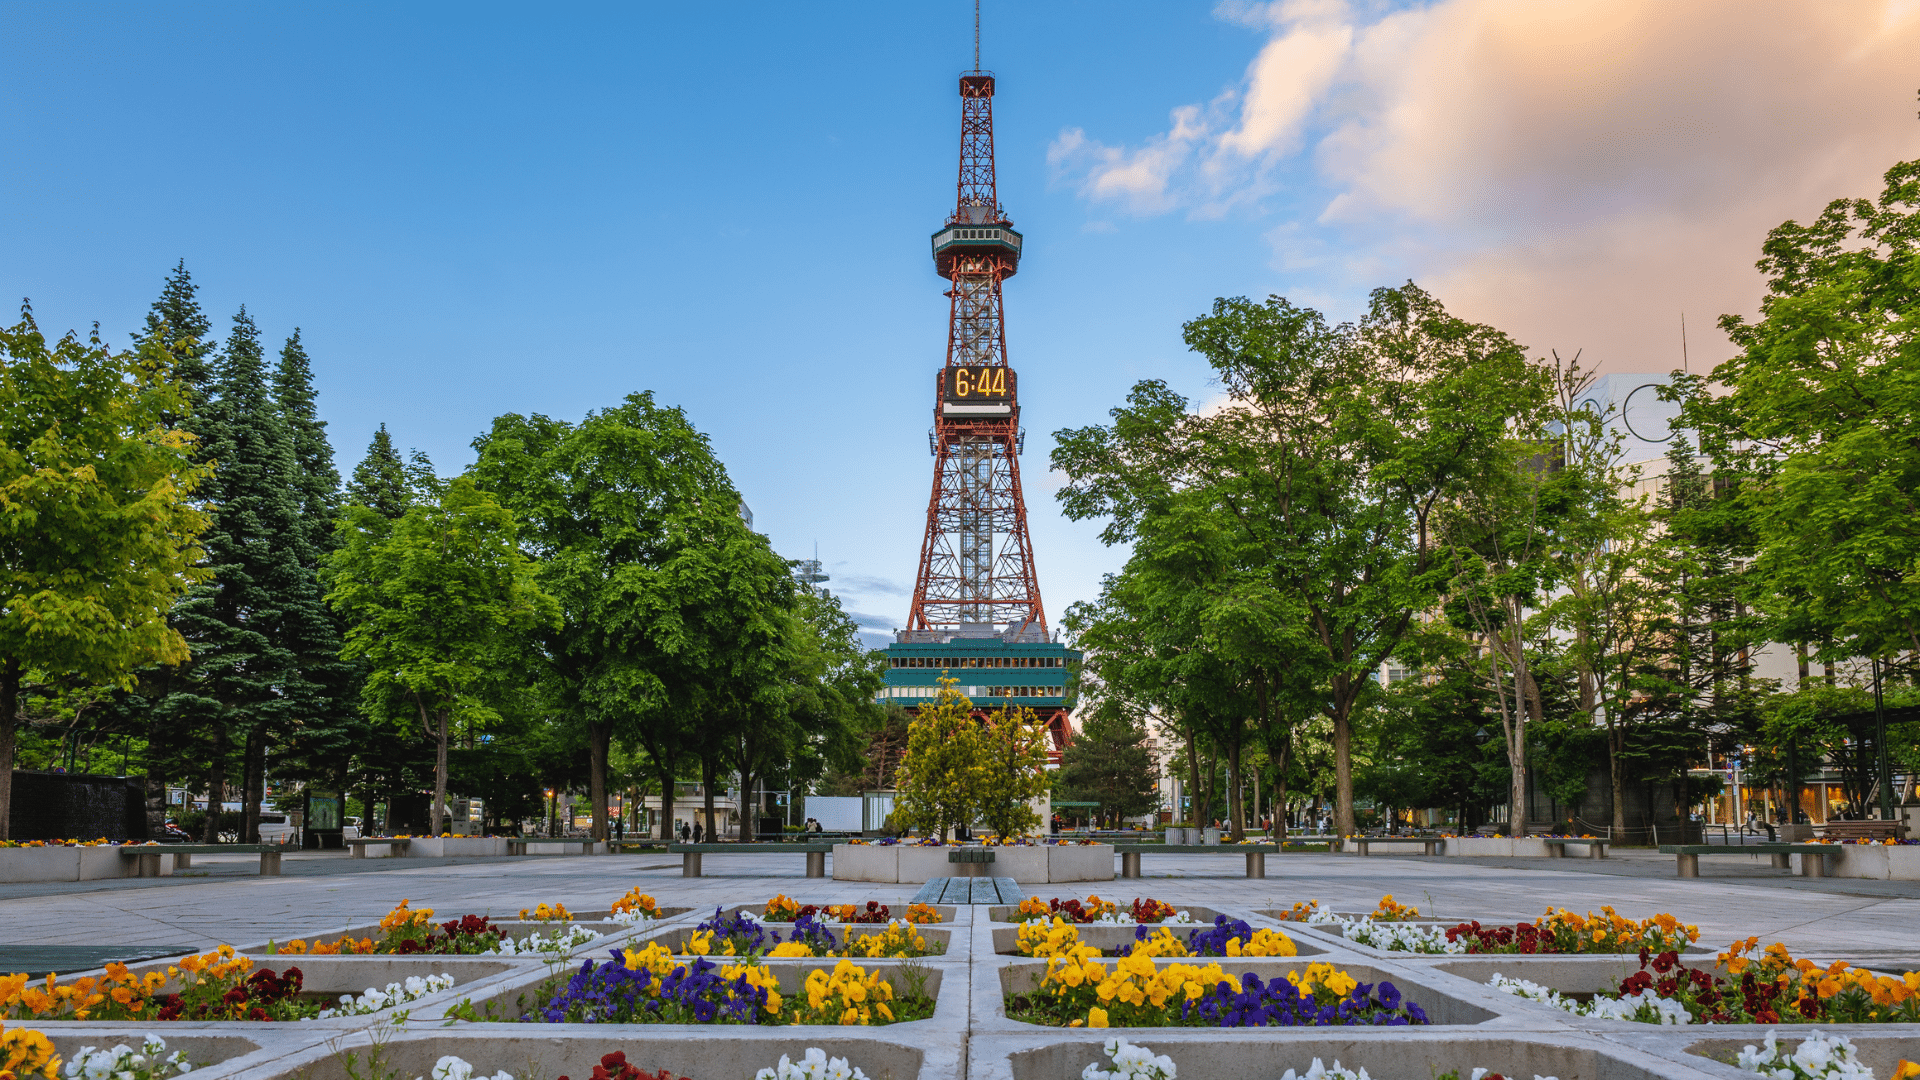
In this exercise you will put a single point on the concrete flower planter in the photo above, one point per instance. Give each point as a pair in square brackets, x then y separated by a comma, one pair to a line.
[1400, 1053]
[911, 864]
[1879, 862]
[1079, 862]
[866, 862]
[69, 864]
[213, 1055]
[573, 1050]
[441, 847]
[1507, 846]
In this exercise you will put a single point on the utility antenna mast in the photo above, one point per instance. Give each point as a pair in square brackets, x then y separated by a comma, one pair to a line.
[976, 575]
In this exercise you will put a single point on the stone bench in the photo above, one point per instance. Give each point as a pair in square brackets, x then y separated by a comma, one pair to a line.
[690, 854]
[518, 845]
[1429, 845]
[1687, 856]
[1557, 846]
[1256, 855]
[359, 845]
[149, 856]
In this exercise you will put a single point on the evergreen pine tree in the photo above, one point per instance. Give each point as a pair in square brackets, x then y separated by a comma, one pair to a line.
[328, 722]
[261, 615]
[184, 331]
[177, 324]
[379, 482]
[315, 477]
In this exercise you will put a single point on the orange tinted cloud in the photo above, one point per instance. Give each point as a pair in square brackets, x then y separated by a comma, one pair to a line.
[1577, 172]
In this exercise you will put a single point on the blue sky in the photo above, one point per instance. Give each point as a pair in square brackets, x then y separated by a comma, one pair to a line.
[475, 209]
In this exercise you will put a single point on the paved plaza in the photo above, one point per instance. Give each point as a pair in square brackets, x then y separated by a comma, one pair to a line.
[1824, 919]
[969, 1034]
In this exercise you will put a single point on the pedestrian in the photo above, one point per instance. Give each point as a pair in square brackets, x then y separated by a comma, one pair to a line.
[686, 834]
[696, 832]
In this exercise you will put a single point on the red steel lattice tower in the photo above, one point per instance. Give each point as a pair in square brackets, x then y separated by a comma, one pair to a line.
[976, 562]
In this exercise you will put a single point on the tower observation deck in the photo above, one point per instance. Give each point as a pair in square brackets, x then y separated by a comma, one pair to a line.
[976, 598]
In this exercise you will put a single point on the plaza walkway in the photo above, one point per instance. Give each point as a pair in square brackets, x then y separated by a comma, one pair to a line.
[1870, 922]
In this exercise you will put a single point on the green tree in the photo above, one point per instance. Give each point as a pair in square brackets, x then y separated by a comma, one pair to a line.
[1013, 765]
[99, 533]
[1108, 763]
[1814, 421]
[671, 628]
[1336, 447]
[261, 615]
[441, 604]
[176, 325]
[941, 776]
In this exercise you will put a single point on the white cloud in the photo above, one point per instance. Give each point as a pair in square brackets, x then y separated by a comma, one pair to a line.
[1579, 172]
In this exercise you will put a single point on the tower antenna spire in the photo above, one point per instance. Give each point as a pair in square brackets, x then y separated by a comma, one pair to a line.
[976, 35]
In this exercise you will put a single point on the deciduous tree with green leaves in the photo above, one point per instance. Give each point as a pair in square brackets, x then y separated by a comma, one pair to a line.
[1331, 455]
[442, 604]
[1817, 421]
[99, 531]
[942, 781]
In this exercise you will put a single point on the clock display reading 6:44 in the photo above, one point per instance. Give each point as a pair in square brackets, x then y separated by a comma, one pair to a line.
[980, 383]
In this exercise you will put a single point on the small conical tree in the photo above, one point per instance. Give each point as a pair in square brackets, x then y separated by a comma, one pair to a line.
[176, 323]
[380, 481]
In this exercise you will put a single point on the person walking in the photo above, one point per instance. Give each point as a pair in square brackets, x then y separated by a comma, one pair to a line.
[696, 831]
[686, 834]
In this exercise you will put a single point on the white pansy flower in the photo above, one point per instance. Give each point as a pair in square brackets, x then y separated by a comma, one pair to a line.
[815, 1065]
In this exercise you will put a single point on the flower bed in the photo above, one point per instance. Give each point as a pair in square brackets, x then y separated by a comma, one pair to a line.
[1077, 991]
[408, 931]
[648, 986]
[1557, 932]
[740, 935]
[1227, 937]
[1769, 988]
[1101, 912]
[783, 908]
[1132, 1062]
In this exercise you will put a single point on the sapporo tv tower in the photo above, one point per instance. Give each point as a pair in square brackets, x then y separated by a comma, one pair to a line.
[977, 614]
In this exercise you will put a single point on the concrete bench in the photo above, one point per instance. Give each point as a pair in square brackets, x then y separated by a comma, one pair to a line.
[359, 846]
[690, 854]
[149, 856]
[1256, 855]
[518, 845]
[1429, 845]
[1687, 856]
[1557, 846]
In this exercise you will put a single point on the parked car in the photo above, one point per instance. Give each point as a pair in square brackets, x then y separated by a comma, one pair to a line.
[274, 829]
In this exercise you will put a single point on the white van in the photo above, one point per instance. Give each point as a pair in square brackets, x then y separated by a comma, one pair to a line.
[275, 828]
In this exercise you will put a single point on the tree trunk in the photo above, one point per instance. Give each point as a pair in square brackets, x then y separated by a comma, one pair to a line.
[1237, 811]
[253, 783]
[1280, 793]
[706, 786]
[1191, 817]
[1616, 748]
[216, 784]
[666, 803]
[443, 730]
[9, 721]
[1343, 819]
[599, 742]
